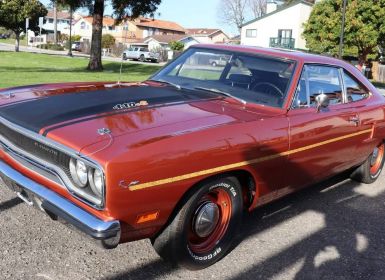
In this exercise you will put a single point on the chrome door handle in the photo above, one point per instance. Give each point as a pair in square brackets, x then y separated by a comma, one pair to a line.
[355, 120]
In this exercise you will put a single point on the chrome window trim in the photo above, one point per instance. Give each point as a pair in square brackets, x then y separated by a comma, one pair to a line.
[72, 189]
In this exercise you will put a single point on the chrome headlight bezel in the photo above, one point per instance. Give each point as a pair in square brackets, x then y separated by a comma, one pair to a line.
[87, 189]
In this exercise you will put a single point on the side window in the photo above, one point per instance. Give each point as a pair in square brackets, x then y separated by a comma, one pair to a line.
[355, 91]
[301, 100]
[326, 80]
[316, 80]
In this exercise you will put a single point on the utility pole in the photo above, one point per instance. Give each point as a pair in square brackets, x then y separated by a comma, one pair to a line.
[342, 34]
[70, 45]
[55, 22]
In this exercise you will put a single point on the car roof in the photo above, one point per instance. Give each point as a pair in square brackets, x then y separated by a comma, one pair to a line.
[282, 53]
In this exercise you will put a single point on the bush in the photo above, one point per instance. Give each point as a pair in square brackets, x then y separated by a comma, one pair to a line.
[163, 54]
[118, 49]
[85, 47]
[176, 46]
[54, 47]
[76, 38]
[107, 41]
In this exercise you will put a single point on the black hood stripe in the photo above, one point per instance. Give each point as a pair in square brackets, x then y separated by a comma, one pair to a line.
[62, 109]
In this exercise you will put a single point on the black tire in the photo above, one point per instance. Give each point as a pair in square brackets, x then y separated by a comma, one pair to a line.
[179, 244]
[370, 170]
[124, 56]
[142, 58]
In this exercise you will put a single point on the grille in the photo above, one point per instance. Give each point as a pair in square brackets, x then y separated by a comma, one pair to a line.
[36, 148]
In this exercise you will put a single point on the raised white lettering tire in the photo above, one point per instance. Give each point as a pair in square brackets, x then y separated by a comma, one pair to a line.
[205, 227]
[371, 169]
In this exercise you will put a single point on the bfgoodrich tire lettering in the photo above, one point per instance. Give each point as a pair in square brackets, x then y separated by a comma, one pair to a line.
[180, 244]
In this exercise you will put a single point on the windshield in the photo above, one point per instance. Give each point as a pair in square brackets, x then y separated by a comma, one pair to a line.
[254, 79]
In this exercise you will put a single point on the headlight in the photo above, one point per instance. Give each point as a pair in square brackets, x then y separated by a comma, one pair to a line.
[88, 180]
[96, 181]
[79, 172]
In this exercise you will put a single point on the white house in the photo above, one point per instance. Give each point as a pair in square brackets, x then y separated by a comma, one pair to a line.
[281, 27]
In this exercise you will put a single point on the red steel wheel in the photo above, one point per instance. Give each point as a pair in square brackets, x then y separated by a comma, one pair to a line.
[376, 159]
[210, 222]
[205, 227]
[370, 170]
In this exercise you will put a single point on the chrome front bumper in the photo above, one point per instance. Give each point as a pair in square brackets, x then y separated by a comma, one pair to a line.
[58, 207]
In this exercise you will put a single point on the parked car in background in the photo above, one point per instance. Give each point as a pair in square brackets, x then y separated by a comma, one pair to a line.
[180, 157]
[141, 54]
[218, 61]
[4, 36]
[76, 46]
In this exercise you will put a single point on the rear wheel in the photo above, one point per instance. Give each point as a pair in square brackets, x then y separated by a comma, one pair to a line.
[371, 169]
[124, 56]
[204, 229]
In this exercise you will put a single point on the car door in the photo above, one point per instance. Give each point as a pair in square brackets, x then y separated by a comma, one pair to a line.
[322, 142]
[370, 114]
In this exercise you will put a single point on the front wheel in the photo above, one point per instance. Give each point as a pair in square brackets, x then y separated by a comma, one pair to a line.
[371, 169]
[142, 58]
[204, 229]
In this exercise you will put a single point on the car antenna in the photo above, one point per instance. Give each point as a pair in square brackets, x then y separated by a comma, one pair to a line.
[121, 61]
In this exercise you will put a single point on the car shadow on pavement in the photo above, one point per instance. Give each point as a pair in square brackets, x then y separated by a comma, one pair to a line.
[10, 203]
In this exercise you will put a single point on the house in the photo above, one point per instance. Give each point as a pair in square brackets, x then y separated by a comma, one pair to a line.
[208, 36]
[281, 27]
[156, 42]
[134, 31]
[63, 22]
[83, 27]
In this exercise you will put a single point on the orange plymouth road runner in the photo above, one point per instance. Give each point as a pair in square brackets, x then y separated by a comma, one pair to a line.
[178, 158]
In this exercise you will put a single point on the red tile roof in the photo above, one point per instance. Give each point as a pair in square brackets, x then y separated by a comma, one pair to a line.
[107, 21]
[161, 24]
[202, 31]
[166, 38]
[60, 15]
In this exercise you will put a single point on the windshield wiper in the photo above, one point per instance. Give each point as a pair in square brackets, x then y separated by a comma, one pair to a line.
[217, 91]
[167, 83]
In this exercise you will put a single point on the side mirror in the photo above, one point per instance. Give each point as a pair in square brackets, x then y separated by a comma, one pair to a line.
[322, 101]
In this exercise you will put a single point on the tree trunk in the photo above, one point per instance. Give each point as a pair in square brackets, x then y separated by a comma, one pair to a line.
[95, 63]
[55, 22]
[17, 41]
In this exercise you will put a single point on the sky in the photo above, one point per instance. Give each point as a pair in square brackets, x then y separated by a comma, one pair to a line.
[188, 13]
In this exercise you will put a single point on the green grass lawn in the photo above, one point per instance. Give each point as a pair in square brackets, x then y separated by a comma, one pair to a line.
[12, 41]
[18, 69]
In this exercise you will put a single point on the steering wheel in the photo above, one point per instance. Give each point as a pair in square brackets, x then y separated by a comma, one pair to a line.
[276, 90]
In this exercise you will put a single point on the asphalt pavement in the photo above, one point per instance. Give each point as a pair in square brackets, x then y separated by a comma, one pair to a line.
[333, 230]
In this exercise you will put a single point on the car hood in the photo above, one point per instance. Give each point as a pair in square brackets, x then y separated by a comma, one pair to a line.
[89, 116]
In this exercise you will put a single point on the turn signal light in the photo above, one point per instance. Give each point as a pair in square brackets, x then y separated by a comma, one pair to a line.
[147, 217]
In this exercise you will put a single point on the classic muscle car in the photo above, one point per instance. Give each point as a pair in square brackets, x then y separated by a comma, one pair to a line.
[180, 157]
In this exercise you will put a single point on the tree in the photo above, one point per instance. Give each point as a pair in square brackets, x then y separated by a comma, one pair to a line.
[13, 14]
[122, 9]
[258, 7]
[73, 5]
[108, 41]
[233, 12]
[365, 26]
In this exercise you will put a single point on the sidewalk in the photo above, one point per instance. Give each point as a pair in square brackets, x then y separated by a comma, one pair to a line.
[10, 47]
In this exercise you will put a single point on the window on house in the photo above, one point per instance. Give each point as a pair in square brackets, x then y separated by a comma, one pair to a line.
[83, 25]
[251, 33]
[285, 33]
[355, 91]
